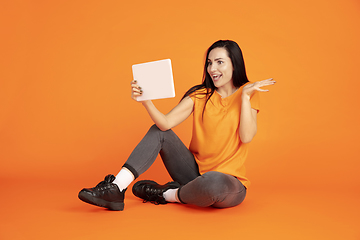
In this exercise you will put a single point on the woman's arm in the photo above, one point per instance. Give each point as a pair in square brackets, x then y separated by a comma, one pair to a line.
[176, 116]
[248, 120]
[248, 115]
[164, 122]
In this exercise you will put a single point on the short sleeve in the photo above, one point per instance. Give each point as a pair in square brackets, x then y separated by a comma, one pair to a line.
[201, 93]
[192, 96]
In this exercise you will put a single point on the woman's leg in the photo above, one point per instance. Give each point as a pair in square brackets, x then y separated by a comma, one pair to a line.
[213, 189]
[177, 158]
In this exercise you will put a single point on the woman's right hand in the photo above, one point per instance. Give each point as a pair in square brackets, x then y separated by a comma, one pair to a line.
[135, 90]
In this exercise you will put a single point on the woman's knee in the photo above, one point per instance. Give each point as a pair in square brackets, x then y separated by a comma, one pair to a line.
[154, 128]
[154, 131]
[216, 182]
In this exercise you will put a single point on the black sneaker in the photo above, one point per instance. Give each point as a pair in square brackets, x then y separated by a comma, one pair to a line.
[106, 194]
[151, 191]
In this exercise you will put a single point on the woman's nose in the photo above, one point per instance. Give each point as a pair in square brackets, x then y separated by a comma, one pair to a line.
[212, 68]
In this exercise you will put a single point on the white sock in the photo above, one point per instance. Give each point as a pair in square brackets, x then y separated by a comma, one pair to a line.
[123, 179]
[170, 195]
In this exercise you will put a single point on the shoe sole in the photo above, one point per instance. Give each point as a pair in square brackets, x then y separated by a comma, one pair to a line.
[114, 206]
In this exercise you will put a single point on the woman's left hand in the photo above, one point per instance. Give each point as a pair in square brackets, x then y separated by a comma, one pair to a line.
[249, 89]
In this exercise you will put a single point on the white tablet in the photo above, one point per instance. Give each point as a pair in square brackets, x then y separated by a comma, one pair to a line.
[155, 79]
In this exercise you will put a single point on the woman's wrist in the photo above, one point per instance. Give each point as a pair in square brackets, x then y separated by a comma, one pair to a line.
[147, 104]
[245, 97]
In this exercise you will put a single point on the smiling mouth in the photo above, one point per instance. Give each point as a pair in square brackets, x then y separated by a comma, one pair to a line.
[216, 77]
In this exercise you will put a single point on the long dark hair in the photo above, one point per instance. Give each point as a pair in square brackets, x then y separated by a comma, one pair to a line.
[239, 74]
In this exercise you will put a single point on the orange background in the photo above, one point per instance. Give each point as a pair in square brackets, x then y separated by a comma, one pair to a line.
[66, 115]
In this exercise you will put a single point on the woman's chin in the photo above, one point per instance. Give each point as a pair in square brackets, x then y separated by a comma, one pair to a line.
[216, 84]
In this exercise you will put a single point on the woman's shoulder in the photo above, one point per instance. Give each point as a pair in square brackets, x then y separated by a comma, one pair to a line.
[199, 93]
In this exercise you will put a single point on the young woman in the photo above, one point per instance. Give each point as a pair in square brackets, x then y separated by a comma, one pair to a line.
[211, 171]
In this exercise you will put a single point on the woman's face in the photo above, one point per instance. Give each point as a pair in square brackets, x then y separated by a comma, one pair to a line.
[220, 67]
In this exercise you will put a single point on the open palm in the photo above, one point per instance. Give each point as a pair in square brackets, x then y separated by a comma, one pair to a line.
[249, 89]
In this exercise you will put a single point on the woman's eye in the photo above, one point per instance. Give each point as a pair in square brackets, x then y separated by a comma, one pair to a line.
[220, 62]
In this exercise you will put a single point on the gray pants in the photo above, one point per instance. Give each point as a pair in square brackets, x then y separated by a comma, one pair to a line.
[210, 189]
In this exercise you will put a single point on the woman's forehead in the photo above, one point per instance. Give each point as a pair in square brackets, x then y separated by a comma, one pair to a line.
[218, 53]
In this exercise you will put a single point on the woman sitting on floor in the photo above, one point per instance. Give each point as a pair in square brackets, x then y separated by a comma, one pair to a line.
[211, 171]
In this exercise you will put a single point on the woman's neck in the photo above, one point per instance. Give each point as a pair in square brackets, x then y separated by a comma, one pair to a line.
[226, 91]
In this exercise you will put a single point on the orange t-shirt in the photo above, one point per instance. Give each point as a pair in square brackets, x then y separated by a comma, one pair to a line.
[215, 141]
